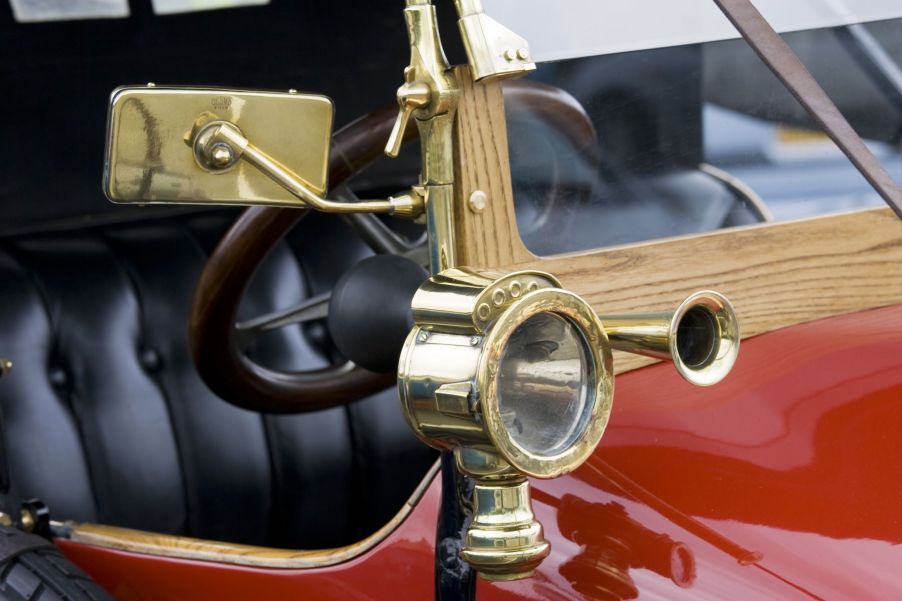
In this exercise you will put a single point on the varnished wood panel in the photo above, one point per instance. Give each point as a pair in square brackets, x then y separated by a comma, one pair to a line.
[481, 163]
[776, 274]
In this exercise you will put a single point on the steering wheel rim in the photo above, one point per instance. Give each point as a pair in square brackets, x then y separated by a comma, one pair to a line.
[214, 340]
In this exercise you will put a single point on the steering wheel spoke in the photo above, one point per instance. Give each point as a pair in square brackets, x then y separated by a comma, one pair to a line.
[313, 308]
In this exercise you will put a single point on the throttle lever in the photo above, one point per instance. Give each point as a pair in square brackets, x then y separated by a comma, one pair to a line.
[411, 96]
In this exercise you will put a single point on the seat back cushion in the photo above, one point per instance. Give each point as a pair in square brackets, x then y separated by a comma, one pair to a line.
[106, 420]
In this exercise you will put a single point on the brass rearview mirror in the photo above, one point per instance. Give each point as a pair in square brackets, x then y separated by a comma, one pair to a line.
[152, 135]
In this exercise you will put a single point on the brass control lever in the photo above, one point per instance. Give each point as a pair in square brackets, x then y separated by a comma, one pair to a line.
[411, 96]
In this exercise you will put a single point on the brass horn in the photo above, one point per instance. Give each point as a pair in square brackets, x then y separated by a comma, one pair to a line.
[701, 337]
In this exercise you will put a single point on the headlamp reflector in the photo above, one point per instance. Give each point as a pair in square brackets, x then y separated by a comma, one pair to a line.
[546, 382]
[545, 395]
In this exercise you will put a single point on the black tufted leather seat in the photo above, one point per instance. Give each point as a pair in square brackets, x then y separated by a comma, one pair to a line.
[106, 420]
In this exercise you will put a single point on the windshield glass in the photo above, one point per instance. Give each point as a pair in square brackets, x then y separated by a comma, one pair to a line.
[693, 132]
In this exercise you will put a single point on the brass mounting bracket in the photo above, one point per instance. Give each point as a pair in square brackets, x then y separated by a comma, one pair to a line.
[493, 50]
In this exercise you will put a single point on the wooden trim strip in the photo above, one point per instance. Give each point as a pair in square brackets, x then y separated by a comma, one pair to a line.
[183, 547]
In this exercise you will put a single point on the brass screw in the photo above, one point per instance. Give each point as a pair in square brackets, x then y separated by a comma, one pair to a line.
[28, 522]
[510, 54]
[221, 155]
[151, 84]
[477, 201]
[5, 367]
[523, 54]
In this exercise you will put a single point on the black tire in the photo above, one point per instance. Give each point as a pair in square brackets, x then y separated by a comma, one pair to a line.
[45, 575]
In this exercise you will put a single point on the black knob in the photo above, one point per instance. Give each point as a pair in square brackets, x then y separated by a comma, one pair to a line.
[369, 313]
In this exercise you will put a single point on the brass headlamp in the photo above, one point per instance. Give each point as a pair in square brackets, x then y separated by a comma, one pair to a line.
[514, 375]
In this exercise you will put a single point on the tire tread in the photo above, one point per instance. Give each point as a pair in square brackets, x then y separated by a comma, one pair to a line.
[45, 575]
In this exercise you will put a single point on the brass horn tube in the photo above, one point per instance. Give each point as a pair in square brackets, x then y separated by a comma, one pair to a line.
[701, 337]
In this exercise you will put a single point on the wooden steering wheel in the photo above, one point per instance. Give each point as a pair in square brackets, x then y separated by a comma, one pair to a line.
[217, 342]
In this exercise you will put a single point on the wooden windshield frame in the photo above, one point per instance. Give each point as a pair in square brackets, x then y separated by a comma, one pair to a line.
[776, 274]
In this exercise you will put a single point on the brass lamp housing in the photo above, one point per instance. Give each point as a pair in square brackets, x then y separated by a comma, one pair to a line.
[448, 373]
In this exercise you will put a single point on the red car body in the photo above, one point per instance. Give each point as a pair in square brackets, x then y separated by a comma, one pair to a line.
[781, 482]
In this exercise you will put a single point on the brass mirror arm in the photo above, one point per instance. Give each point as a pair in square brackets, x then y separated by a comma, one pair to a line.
[227, 137]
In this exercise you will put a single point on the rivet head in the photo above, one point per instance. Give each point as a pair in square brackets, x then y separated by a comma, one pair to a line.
[498, 297]
[516, 288]
[6, 366]
[151, 84]
[523, 54]
[532, 287]
[5, 520]
[477, 201]
[510, 54]
[292, 91]
[423, 336]
[474, 341]
[221, 155]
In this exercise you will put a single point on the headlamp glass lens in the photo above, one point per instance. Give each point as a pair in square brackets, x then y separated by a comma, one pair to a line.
[544, 384]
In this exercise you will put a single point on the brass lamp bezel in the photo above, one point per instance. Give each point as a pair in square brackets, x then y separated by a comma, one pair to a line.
[598, 350]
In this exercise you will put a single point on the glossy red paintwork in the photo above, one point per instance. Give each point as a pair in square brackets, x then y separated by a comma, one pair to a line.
[784, 481]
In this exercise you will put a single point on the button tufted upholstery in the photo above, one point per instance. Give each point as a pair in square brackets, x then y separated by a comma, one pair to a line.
[105, 419]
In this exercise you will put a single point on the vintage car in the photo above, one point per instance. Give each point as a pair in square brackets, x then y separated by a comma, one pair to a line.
[210, 388]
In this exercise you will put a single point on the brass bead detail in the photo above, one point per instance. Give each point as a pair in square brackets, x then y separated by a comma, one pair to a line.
[484, 311]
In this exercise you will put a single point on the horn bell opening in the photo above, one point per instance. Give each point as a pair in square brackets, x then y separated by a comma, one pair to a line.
[704, 338]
